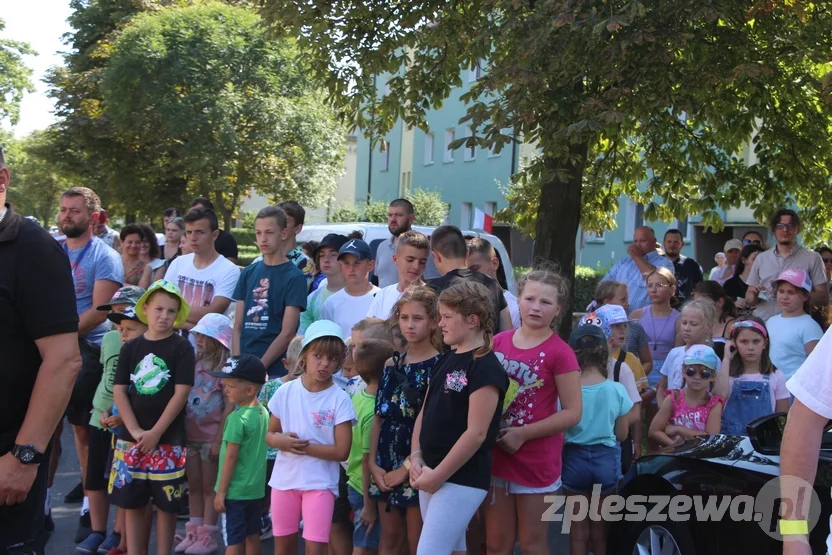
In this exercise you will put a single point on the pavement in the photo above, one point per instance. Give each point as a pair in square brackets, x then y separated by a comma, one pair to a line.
[66, 516]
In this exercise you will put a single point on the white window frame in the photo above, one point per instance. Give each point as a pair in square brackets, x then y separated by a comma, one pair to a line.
[594, 237]
[385, 159]
[466, 215]
[490, 207]
[470, 151]
[448, 154]
[686, 228]
[429, 142]
[492, 153]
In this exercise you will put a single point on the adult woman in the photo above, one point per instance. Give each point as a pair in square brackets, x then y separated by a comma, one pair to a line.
[736, 287]
[151, 255]
[174, 230]
[132, 236]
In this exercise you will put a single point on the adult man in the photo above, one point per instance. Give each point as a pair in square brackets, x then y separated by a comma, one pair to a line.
[732, 250]
[97, 273]
[225, 243]
[688, 272]
[39, 342]
[103, 232]
[642, 260]
[483, 258]
[450, 253]
[786, 253]
[400, 217]
[206, 278]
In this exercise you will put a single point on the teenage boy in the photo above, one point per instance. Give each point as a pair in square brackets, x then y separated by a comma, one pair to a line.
[241, 480]
[326, 259]
[450, 253]
[224, 242]
[349, 305]
[295, 216]
[154, 376]
[270, 296]
[410, 258]
[483, 258]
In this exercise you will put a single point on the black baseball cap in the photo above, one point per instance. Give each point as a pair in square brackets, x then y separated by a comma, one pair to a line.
[129, 314]
[357, 248]
[243, 367]
[587, 336]
[332, 241]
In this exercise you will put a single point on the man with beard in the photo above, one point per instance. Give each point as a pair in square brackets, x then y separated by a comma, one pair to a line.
[97, 273]
[400, 216]
[688, 272]
[39, 343]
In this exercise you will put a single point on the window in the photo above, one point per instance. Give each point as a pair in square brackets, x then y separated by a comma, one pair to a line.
[492, 151]
[634, 219]
[595, 237]
[405, 184]
[428, 148]
[385, 158]
[470, 151]
[475, 71]
[467, 214]
[683, 226]
[490, 208]
[448, 156]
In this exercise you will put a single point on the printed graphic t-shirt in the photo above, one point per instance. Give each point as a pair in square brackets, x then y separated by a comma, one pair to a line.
[103, 399]
[152, 370]
[266, 291]
[98, 263]
[200, 286]
[445, 413]
[247, 427]
[532, 396]
[313, 416]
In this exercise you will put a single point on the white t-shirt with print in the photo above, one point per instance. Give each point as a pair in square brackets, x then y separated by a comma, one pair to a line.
[346, 310]
[384, 301]
[200, 286]
[625, 378]
[313, 416]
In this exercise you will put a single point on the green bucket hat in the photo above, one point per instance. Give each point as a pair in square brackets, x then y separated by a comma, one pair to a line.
[170, 287]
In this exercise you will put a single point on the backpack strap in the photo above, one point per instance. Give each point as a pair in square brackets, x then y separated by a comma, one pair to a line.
[622, 356]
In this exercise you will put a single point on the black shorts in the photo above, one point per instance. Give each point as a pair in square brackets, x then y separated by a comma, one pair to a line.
[80, 403]
[242, 519]
[21, 526]
[267, 500]
[136, 477]
[341, 514]
[99, 460]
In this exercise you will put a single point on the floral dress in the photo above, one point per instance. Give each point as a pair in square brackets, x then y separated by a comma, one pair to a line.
[398, 416]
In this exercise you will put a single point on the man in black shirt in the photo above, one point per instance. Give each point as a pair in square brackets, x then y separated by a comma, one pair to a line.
[225, 243]
[449, 252]
[687, 270]
[40, 360]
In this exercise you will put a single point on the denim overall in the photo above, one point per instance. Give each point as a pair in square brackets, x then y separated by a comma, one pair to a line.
[749, 400]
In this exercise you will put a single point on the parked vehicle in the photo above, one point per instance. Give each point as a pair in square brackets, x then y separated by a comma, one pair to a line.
[374, 234]
[717, 466]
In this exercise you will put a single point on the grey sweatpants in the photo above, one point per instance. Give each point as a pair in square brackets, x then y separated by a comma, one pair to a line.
[445, 516]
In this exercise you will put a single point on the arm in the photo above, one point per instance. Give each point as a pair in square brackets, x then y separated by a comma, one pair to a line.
[623, 422]
[661, 390]
[103, 290]
[376, 471]
[640, 260]
[174, 407]
[232, 453]
[636, 429]
[781, 405]
[338, 452]
[227, 408]
[659, 423]
[281, 342]
[369, 513]
[505, 320]
[810, 346]
[147, 276]
[239, 313]
[646, 358]
[722, 384]
[713, 424]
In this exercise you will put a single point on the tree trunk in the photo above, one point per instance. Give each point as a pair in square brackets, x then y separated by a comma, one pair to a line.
[558, 219]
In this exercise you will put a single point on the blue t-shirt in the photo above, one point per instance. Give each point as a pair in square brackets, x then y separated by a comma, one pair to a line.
[98, 263]
[788, 341]
[603, 403]
[266, 292]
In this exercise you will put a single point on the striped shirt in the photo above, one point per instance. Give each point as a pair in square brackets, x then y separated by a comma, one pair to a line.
[626, 271]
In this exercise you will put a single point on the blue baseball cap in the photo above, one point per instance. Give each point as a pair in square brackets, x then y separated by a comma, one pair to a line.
[702, 354]
[357, 248]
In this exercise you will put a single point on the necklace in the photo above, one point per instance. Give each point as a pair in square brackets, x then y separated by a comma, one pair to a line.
[653, 325]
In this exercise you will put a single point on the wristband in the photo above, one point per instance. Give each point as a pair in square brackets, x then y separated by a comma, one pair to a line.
[794, 527]
[415, 452]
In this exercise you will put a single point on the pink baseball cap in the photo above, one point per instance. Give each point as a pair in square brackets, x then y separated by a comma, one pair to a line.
[797, 277]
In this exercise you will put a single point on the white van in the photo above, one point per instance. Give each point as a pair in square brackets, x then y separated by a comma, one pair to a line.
[374, 234]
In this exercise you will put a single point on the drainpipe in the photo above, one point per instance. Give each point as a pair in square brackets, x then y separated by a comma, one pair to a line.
[370, 163]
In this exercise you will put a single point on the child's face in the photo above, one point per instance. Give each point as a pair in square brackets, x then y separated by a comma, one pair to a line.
[414, 322]
[161, 310]
[410, 263]
[750, 345]
[118, 308]
[238, 391]
[349, 366]
[659, 289]
[790, 298]
[355, 271]
[539, 305]
[618, 335]
[479, 262]
[201, 341]
[328, 261]
[693, 326]
[698, 377]
[454, 327]
[130, 329]
[290, 364]
[319, 366]
[269, 236]
[621, 298]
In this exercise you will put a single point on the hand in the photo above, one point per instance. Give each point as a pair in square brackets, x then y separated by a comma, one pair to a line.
[428, 480]
[635, 251]
[114, 421]
[510, 439]
[396, 477]
[149, 441]
[291, 443]
[137, 434]
[219, 502]
[730, 350]
[16, 480]
[379, 476]
[740, 303]
[416, 466]
[755, 289]
[368, 516]
[672, 430]
[102, 419]
[214, 453]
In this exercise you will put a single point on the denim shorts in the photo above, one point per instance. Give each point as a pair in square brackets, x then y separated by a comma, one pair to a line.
[242, 519]
[584, 466]
[360, 538]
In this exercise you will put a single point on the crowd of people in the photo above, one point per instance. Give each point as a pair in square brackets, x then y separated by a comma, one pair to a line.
[296, 398]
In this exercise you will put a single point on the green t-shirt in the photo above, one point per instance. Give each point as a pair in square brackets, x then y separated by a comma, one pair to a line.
[314, 303]
[103, 399]
[365, 406]
[246, 426]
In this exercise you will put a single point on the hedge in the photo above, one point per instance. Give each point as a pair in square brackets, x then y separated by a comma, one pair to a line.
[244, 236]
[586, 281]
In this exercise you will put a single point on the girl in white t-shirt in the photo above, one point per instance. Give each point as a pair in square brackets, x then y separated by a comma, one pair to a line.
[311, 425]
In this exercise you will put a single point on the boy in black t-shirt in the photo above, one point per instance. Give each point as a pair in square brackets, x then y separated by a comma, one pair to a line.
[153, 379]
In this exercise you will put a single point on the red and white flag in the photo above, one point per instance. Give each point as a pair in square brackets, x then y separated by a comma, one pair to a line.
[482, 220]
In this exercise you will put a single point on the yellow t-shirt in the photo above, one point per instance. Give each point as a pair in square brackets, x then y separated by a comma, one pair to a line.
[635, 365]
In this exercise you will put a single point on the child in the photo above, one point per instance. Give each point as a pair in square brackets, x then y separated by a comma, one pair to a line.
[756, 387]
[725, 312]
[270, 296]
[326, 259]
[349, 305]
[794, 333]
[154, 376]
[204, 414]
[410, 258]
[370, 356]
[242, 475]
[266, 393]
[457, 427]
[693, 410]
[660, 320]
[401, 393]
[311, 424]
[615, 292]
[527, 458]
[590, 452]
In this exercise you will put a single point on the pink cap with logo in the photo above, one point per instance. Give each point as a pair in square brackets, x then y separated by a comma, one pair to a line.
[797, 277]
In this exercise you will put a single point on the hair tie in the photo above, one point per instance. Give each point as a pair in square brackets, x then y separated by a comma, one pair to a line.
[736, 327]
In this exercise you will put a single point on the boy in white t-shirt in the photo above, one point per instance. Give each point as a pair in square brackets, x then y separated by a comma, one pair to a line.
[350, 304]
[410, 258]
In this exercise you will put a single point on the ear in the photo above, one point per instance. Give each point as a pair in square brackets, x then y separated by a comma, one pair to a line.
[411, 218]
[215, 234]
[473, 320]
[437, 257]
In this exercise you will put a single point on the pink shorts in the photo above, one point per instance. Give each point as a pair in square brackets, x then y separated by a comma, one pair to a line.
[315, 507]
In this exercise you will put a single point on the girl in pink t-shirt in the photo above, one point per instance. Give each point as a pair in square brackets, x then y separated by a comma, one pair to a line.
[542, 369]
[691, 411]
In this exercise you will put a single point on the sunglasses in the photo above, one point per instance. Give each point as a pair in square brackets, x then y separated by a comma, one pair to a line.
[752, 242]
[705, 374]
[827, 260]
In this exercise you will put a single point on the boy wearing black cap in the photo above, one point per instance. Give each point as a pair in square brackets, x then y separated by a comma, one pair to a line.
[326, 259]
[241, 480]
[350, 304]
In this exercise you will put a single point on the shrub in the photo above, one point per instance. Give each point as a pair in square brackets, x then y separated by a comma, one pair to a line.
[586, 281]
[345, 213]
[428, 207]
[244, 236]
[375, 212]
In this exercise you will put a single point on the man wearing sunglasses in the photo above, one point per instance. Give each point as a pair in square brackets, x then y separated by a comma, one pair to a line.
[786, 253]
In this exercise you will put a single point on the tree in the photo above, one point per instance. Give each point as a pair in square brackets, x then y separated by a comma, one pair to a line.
[15, 77]
[203, 91]
[652, 99]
